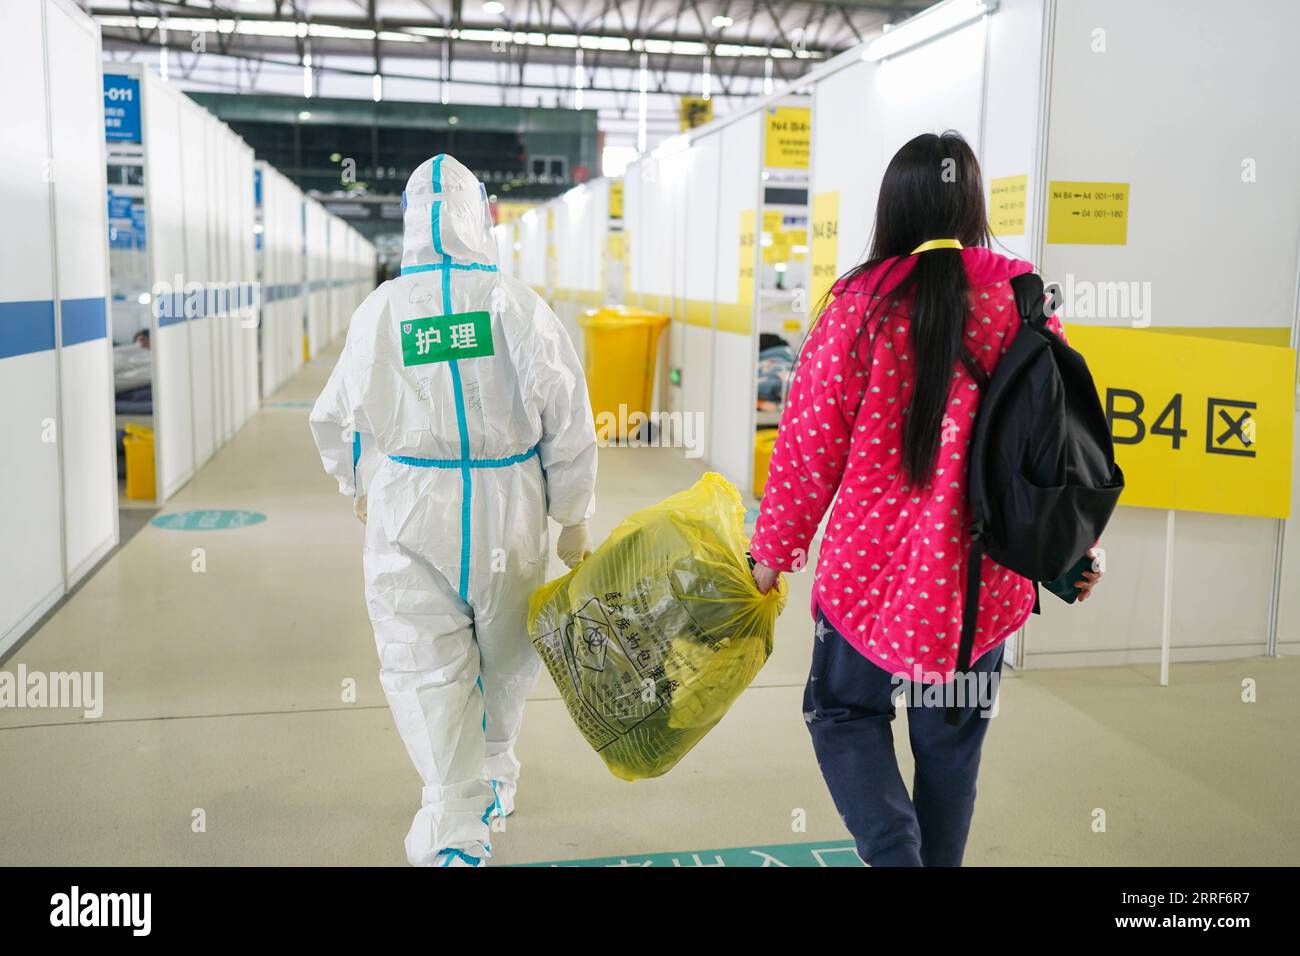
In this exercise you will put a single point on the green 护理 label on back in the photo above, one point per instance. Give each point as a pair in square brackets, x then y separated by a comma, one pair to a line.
[442, 338]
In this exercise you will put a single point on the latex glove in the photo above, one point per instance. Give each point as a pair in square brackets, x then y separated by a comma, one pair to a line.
[574, 544]
[359, 508]
[766, 578]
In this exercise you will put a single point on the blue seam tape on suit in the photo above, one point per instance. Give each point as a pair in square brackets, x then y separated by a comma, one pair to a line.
[356, 457]
[467, 484]
[452, 851]
[436, 266]
[465, 464]
[449, 463]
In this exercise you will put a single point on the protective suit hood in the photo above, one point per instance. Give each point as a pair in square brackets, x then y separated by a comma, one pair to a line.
[445, 216]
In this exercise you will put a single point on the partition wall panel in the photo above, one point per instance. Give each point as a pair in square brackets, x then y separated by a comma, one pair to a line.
[335, 255]
[282, 275]
[81, 269]
[1217, 251]
[532, 252]
[173, 405]
[865, 111]
[317, 276]
[244, 239]
[730, 448]
[31, 578]
[197, 174]
[199, 208]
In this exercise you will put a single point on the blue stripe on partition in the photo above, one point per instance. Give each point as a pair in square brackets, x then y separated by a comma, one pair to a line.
[84, 320]
[26, 327]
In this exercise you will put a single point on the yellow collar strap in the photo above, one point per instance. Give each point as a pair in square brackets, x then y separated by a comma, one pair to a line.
[936, 244]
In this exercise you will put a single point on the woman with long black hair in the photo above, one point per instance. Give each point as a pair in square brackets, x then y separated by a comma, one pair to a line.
[878, 420]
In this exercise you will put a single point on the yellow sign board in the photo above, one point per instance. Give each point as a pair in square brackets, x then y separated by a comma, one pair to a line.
[1199, 424]
[694, 111]
[825, 246]
[1007, 205]
[616, 199]
[748, 237]
[740, 317]
[1090, 214]
[789, 137]
[783, 245]
[508, 211]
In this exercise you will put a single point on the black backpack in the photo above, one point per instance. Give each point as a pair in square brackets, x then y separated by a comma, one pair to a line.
[1042, 480]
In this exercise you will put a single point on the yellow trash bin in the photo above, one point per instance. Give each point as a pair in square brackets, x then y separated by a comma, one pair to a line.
[620, 345]
[139, 463]
[764, 442]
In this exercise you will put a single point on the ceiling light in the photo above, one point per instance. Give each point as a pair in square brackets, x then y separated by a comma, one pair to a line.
[722, 20]
[494, 7]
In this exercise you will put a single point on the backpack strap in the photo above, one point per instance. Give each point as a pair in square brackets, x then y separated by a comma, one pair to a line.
[969, 615]
[1028, 288]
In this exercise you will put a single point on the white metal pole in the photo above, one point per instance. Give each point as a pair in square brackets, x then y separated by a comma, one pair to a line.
[1167, 624]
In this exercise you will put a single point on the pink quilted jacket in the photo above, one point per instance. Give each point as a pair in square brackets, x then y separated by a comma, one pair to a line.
[892, 566]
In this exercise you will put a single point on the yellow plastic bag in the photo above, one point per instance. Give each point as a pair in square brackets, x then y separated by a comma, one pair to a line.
[653, 637]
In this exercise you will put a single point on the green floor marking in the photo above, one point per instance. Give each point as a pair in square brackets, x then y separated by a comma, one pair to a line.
[213, 519]
[825, 854]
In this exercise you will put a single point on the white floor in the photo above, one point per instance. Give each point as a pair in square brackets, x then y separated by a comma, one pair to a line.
[224, 704]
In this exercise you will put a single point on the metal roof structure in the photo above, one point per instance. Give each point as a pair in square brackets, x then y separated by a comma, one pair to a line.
[716, 47]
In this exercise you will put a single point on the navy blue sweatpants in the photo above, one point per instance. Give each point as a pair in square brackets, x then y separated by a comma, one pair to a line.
[848, 707]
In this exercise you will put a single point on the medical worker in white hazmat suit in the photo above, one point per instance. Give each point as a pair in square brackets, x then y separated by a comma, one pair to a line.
[458, 419]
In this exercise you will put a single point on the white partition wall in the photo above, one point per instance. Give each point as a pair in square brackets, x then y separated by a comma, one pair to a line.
[652, 228]
[81, 269]
[356, 262]
[30, 500]
[316, 228]
[864, 111]
[335, 274]
[1217, 247]
[581, 222]
[235, 354]
[506, 235]
[730, 421]
[532, 250]
[244, 239]
[690, 230]
[57, 496]
[198, 172]
[199, 194]
[281, 275]
[315, 270]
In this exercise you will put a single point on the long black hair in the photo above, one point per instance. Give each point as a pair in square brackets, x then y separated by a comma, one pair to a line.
[931, 190]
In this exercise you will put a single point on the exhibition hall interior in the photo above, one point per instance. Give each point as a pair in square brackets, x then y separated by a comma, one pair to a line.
[671, 433]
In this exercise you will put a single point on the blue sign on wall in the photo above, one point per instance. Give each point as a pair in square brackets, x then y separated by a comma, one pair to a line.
[121, 108]
[119, 207]
[126, 221]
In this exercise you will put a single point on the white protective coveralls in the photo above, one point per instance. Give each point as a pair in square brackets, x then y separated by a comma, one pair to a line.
[460, 409]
